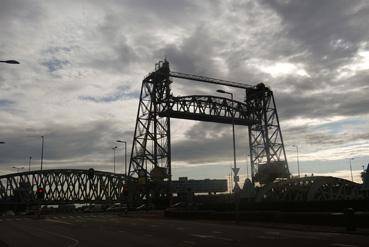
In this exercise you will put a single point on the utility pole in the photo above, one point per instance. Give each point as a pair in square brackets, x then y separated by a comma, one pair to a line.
[247, 166]
[29, 163]
[42, 151]
[235, 169]
[125, 156]
[114, 148]
[352, 177]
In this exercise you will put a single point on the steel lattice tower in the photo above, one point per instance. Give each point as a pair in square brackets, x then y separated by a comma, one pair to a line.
[267, 153]
[151, 144]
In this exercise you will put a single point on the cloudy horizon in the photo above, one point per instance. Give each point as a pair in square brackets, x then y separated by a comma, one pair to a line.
[82, 64]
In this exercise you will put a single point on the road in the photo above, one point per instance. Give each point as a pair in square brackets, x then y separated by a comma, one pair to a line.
[113, 230]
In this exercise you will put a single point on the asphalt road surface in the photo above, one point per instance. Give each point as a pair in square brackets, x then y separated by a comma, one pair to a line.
[113, 230]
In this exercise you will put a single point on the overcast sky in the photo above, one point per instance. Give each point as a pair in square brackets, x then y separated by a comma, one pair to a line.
[82, 64]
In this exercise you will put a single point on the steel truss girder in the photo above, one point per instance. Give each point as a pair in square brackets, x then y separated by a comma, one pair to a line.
[62, 186]
[207, 108]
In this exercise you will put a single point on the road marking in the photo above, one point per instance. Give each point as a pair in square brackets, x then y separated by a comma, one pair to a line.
[202, 236]
[266, 237]
[189, 242]
[75, 241]
[343, 245]
[59, 221]
[211, 237]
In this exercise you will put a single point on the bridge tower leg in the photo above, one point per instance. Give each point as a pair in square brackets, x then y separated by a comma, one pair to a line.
[151, 143]
[267, 152]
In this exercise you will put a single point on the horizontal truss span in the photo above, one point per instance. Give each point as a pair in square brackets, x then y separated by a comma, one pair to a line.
[62, 186]
[207, 108]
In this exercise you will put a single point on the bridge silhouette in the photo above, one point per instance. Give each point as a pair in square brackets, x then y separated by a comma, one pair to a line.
[62, 186]
[68, 186]
[149, 173]
[151, 147]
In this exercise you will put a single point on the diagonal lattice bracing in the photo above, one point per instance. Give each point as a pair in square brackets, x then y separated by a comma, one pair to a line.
[267, 153]
[61, 186]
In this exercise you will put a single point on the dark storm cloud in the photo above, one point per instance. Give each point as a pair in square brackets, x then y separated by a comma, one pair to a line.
[18, 16]
[334, 139]
[331, 39]
[121, 56]
[15, 12]
[195, 54]
[324, 36]
[165, 11]
[210, 142]
[62, 142]
[321, 105]
[131, 30]
[331, 30]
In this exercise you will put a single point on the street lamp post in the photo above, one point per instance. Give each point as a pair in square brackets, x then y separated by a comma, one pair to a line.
[235, 169]
[114, 148]
[125, 156]
[297, 159]
[247, 166]
[29, 163]
[9, 61]
[352, 177]
[42, 151]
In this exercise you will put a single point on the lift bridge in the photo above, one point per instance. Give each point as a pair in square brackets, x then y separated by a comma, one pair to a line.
[151, 149]
[150, 172]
